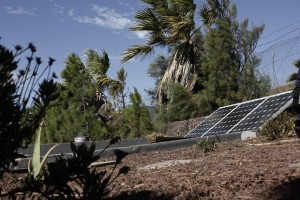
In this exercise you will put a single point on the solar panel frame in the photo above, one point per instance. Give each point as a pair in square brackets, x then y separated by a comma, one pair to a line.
[211, 121]
[216, 122]
[242, 110]
[258, 117]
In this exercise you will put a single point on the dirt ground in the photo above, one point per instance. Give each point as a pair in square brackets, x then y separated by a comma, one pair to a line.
[255, 169]
[251, 169]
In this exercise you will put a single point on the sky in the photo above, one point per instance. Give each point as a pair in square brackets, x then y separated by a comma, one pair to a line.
[61, 27]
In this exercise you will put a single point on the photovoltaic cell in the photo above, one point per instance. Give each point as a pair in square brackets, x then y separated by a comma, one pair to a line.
[234, 117]
[263, 112]
[210, 121]
[244, 116]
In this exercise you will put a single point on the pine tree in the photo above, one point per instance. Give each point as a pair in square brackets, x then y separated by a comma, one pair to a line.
[229, 67]
[181, 105]
[81, 111]
[137, 116]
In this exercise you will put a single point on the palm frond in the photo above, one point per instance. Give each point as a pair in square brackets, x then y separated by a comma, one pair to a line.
[115, 88]
[146, 14]
[136, 51]
[95, 63]
[92, 61]
[207, 15]
[122, 75]
[104, 60]
[103, 81]
[181, 31]
[73, 62]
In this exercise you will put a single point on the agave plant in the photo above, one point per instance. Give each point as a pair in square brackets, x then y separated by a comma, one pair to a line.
[35, 165]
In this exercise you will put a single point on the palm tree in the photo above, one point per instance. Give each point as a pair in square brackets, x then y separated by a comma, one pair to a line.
[170, 23]
[93, 69]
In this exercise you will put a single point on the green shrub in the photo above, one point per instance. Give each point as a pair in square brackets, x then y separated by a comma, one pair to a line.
[152, 137]
[25, 96]
[35, 165]
[281, 126]
[73, 178]
[206, 145]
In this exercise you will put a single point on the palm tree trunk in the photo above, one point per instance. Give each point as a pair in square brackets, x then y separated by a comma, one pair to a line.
[181, 73]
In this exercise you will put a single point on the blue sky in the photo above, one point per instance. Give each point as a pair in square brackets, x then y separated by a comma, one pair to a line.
[59, 28]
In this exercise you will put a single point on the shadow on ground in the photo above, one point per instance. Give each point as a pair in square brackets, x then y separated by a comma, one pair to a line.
[140, 195]
[290, 189]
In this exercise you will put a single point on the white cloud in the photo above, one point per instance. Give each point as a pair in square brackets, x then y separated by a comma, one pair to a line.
[105, 17]
[71, 12]
[20, 11]
[126, 5]
[141, 34]
[58, 9]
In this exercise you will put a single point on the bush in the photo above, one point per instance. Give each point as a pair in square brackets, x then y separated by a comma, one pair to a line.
[206, 145]
[281, 126]
[152, 137]
[18, 119]
[72, 178]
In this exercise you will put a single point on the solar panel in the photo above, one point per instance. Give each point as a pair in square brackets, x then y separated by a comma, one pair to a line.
[234, 117]
[210, 121]
[265, 111]
[249, 115]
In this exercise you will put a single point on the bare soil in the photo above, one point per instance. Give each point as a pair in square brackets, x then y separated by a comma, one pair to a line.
[251, 169]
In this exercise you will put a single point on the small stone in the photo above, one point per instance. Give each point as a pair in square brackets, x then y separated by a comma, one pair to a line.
[223, 182]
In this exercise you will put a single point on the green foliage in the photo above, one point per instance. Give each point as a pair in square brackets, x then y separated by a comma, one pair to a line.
[169, 24]
[182, 105]
[84, 100]
[158, 67]
[35, 165]
[156, 70]
[223, 71]
[206, 145]
[293, 76]
[25, 96]
[137, 116]
[152, 137]
[282, 126]
[74, 178]
[83, 156]
[229, 69]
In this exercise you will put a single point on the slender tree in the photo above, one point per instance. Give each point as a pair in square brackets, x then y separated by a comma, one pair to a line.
[137, 115]
[118, 88]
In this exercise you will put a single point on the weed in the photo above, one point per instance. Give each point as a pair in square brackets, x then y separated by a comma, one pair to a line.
[281, 126]
[152, 137]
[206, 145]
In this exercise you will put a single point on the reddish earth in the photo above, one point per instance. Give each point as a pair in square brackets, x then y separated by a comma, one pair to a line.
[253, 169]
